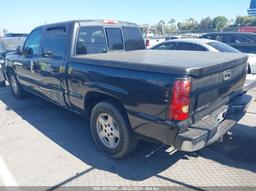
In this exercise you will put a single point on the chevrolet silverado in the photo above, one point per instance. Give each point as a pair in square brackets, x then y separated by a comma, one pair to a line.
[101, 69]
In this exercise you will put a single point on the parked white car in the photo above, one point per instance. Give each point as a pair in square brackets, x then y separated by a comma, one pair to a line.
[152, 41]
[212, 46]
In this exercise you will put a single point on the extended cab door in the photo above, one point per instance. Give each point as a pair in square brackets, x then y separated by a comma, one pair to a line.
[24, 63]
[51, 64]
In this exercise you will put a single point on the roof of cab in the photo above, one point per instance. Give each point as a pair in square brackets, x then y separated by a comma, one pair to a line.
[105, 22]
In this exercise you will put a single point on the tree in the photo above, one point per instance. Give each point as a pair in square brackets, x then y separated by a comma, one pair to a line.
[171, 26]
[160, 27]
[172, 21]
[206, 23]
[220, 23]
[190, 24]
[5, 31]
[179, 25]
[254, 22]
[242, 21]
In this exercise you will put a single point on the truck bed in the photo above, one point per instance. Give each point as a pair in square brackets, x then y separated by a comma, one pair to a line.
[196, 64]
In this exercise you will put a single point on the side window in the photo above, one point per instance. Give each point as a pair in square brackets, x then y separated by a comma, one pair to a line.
[133, 39]
[165, 46]
[160, 47]
[241, 39]
[115, 40]
[212, 37]
[54, 43]
[219, 38]
[170, 46]
[200, 48]
[186, 46]
[33, 42]
[225, 38]
[91, 40]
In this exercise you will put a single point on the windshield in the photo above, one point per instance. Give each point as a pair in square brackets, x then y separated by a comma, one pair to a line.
[223, 47]
[11, 44]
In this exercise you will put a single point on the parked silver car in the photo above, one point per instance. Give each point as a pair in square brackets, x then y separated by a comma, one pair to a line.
[7, 45]
[212, 46]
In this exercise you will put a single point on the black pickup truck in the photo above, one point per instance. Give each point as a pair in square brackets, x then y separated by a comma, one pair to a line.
[183, 99]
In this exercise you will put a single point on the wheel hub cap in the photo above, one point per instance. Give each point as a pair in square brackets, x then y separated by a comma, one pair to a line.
[108, 130]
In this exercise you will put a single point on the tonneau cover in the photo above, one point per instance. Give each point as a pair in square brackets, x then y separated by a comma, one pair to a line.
[191, 63]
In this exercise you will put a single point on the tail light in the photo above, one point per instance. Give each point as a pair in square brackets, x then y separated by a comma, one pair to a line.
[180, 100]
[147, 42]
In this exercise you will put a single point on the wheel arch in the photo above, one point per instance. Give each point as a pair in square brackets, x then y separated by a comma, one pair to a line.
[94, 97]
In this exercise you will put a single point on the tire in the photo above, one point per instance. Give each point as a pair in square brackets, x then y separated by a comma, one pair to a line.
[16, 88]
[107, 116]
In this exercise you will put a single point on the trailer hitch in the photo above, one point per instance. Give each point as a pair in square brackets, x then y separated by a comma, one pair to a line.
[229, 135]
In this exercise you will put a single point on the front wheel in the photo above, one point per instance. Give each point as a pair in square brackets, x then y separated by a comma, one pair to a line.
[111, 130]
[16, 89]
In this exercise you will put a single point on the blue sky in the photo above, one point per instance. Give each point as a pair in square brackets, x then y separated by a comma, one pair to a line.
[23, 16]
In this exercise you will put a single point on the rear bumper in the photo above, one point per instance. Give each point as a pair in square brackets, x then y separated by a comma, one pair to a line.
[208, 130]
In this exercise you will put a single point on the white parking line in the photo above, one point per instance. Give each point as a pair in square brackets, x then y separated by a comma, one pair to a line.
[252, 114]
[5, 174]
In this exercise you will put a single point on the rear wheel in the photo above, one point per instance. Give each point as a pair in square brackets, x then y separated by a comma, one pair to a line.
[16, 89]
[111, 130]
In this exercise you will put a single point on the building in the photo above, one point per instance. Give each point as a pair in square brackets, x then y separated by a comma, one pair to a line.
[247, 29]
[252, 9]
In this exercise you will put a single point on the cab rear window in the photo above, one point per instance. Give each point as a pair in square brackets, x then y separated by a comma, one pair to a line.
[100, 39]
[115, 40]
[133, 39]
[91, 40]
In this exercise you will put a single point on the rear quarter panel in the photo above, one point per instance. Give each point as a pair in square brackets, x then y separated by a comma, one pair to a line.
[144, 95]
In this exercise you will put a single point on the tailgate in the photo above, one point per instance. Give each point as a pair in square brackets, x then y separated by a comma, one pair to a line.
[212, 91]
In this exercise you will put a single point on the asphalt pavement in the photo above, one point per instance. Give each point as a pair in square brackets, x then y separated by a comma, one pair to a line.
[44, 145]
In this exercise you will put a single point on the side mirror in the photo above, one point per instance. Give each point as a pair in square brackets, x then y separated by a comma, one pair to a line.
[19, 50]
[28, 52]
